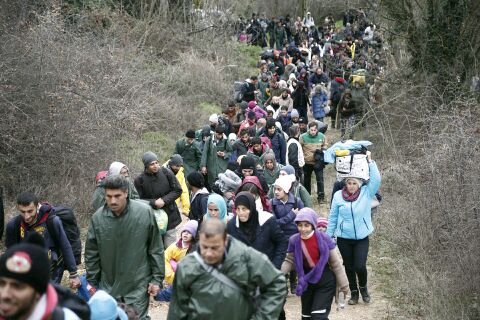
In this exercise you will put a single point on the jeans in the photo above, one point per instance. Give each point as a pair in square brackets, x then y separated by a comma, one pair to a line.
[307, 171]
[354, 254]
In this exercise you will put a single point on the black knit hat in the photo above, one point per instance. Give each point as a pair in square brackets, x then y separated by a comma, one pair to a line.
[195, 179]
[28, 263]
[247, 163]
[190, 134]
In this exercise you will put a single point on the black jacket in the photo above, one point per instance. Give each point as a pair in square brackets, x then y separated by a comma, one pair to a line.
[269, 239]
[162, 184]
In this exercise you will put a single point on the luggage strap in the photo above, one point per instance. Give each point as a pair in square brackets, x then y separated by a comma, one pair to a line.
[217, 274]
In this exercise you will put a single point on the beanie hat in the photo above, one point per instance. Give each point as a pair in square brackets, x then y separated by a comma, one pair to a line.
[176, 160]
[289, 169]
[322, 222]
[27, 262]
[195, 179]
[294, 113]
[148, 157]
[302, 120]
[252, 105]
[190, 134]
[213, 118]
[271, 123]
[191, 227]
[251, 115]
[308, 215]
[270, 108]
[206, 131]
[284, 182]
[247, 163]
[220, 129]
[104, 307]
[243, 105]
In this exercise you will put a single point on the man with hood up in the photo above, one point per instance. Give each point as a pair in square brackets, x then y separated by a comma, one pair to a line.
[161, 188]
[216, 154]
[271, 169]
[115, 168]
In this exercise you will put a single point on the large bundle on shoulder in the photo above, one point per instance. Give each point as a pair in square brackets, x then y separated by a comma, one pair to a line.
[350, 158]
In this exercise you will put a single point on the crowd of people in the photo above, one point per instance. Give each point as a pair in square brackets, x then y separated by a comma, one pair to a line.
[250, 231]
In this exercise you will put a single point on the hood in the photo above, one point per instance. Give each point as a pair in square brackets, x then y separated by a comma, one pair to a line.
[115, 168]
[220, 202]
[269, 156]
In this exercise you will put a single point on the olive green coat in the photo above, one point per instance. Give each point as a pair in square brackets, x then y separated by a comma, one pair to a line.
[123, 254]
[198, 295]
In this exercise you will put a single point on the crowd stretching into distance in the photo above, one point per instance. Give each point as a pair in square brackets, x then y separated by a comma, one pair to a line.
[231, 224]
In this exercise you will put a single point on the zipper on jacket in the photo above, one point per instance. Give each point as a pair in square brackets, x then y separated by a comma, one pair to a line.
[353, 219]
[366, 225]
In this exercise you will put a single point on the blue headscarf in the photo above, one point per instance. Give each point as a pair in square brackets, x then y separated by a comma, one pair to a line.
[221, 205]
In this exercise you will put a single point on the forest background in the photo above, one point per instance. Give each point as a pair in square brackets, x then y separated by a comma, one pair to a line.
[87, 82]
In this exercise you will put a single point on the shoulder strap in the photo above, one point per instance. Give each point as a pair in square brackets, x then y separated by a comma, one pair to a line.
[217, 274]
[16, 228]
[51, 229]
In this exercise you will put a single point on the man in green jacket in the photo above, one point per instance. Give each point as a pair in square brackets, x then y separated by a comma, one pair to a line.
[124, 250]
[190, 152]
[199, 294]
[215, 156]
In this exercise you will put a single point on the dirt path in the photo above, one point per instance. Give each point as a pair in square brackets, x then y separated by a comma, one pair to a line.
[378, 308]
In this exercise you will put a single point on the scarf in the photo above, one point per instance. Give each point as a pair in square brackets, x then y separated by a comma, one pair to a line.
[250, 226]
[325, 244]
[350, 197]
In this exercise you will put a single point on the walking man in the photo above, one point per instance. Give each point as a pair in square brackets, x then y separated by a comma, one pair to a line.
[124, 251]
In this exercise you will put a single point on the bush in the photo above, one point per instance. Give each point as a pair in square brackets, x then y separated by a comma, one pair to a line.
[430, 217]
[80, 90]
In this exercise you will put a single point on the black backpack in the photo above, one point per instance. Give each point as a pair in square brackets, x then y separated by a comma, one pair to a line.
[66, 299]
[69, 222]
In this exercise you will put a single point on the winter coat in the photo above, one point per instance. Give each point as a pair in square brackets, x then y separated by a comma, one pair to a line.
[214, 163]
[316, 79]
[298, 191]
[284, 214]
[269, 238]
[286, 102]
[123, 254]
[173, 252]
[165, 185]
[318, 101]
[353, 220]
[198, 205]
[55, 254]
[98, 199]
[185, 196]
[271, 175]
[191, 155]
[310, 144]
[198, 295]
[294, 156]
[278, 145]
[240, 147]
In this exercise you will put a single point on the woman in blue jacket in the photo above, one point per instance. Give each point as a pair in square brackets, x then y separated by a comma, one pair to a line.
[351, 222]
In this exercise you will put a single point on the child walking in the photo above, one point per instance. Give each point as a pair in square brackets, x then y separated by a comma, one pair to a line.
[319, 267]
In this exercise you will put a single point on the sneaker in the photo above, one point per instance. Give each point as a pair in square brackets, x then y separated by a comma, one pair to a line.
[365, 295]
[353, 297]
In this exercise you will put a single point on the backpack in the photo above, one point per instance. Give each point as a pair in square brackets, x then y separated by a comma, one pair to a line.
[238, 90]
[66, 299]
[69, 222]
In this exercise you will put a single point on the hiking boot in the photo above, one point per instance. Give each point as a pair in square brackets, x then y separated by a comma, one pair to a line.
[365, 295]
[353, 297]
